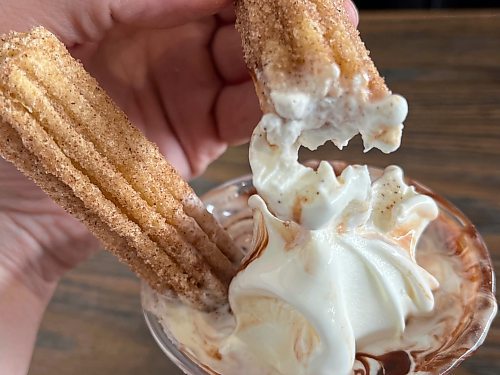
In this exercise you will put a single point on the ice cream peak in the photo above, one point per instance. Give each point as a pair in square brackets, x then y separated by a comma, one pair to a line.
[311, 298]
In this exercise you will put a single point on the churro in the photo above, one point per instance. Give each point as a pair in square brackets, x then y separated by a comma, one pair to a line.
[63, 131]
[287, 43]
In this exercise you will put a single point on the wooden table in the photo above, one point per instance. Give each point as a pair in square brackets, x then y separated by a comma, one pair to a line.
[447, 64]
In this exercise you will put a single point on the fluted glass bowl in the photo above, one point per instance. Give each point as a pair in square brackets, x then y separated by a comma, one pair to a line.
[228, 203]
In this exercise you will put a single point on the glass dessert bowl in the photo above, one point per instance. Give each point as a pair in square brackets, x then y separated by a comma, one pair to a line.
[451, 249]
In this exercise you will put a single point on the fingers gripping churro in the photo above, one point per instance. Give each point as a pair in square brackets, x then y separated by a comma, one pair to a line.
[62, 130]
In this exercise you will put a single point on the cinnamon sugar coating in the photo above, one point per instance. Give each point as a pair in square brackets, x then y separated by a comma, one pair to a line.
[65, 133]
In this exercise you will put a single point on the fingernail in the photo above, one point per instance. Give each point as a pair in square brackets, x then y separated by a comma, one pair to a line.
[352, 10]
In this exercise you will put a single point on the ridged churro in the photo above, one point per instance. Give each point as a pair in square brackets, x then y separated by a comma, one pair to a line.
[63, 131]
[287, 43]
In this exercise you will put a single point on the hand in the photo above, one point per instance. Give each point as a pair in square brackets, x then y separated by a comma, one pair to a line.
[176, 69]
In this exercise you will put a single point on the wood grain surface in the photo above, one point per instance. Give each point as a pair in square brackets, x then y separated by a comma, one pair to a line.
[447, 65]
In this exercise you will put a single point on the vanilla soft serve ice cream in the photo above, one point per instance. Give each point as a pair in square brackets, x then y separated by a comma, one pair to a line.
[332, 269]
[318, 295]
[336, 267]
